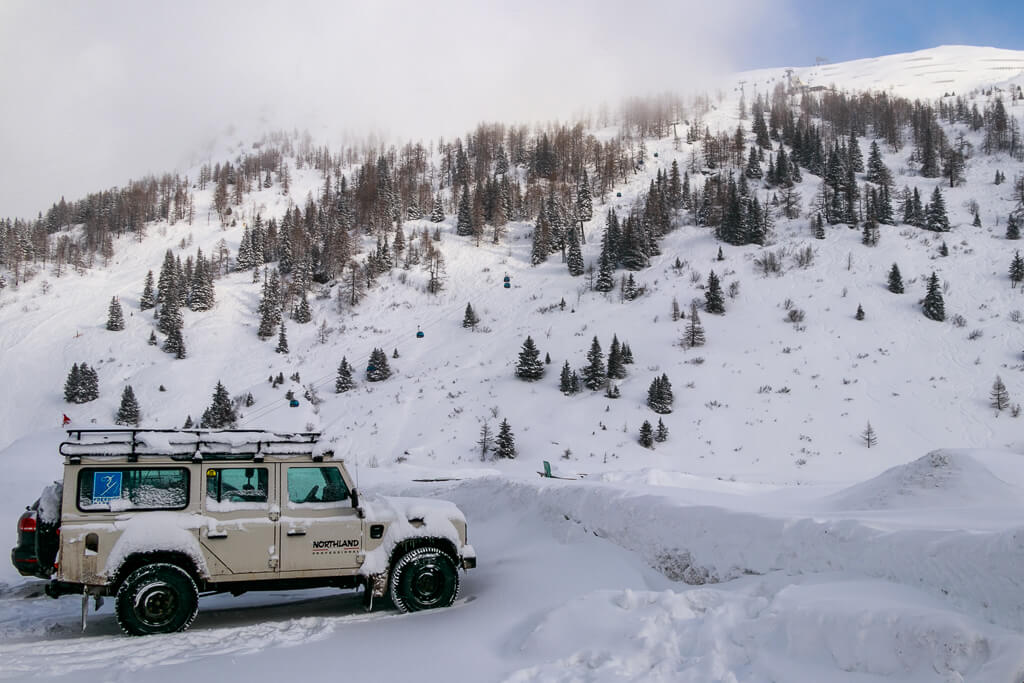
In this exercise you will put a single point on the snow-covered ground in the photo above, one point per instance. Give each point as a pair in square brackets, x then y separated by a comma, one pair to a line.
[761, 542]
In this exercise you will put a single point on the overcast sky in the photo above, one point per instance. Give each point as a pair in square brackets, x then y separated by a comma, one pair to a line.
[95, 93]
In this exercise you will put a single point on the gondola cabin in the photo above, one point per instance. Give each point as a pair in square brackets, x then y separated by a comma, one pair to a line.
[419, 334]
[294, 403]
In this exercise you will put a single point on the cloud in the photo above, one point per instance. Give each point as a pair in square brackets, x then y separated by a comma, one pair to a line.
[97, 93]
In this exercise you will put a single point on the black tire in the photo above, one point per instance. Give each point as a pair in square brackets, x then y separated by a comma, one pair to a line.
[424, 578]
[157, 598]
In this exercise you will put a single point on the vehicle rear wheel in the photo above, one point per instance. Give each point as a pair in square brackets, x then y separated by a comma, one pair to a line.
[424, 578]
[157, 598]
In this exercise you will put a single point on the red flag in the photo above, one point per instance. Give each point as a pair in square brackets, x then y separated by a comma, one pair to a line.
[67, 421]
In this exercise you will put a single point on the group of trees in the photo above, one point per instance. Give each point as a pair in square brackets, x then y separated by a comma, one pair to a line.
[82, 384]
[596, 373]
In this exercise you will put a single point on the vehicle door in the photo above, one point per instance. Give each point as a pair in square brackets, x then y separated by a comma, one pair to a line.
[320, 530]
[241, 527]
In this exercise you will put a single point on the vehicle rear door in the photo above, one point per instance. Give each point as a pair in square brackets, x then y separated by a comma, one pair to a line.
[320, 530]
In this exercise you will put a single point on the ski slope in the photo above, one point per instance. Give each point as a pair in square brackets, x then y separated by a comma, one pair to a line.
[762, 541]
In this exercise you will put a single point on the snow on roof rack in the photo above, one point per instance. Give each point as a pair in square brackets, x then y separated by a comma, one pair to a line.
[240, 444]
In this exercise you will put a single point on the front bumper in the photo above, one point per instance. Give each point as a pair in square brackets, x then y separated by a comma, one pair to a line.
[468, 557]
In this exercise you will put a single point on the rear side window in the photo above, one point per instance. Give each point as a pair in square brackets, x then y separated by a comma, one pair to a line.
[236, 488]
[121, 488]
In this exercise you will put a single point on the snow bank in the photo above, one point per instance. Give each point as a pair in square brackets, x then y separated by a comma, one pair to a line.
[940, 479]
[864, 630]
[701, 544]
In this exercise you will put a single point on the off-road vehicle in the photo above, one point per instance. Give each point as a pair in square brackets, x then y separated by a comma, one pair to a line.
[156, 518]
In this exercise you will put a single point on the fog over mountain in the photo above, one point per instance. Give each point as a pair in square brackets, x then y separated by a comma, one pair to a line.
[108, 92]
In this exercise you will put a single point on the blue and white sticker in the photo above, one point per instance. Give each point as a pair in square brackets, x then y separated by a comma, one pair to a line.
[106, 486]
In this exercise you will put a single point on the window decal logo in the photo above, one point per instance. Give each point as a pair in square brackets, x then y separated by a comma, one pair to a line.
[106, 486]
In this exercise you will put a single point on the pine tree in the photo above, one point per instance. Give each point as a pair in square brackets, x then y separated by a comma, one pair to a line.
[594, 372]
[616, 368]
[464, 219]
[895, 280]
[282, 340]
[605, 280]
[753, 170]
[565, 383]
[714, 301]
[574, 260]
[541, 240]
[943, 249]
[344, 380]
[115, 316]
[188, 422]
[934, 306]
[72, 385]
[936, 218]
[627, 354]
[128, 412]
[584, 202]
[999, 395]
[694, 334]
[1012, 227]
[437, 213]
[152, 341]
[529, 367]
[661, 432]
[869, 436]
[676, 312]
[870, 235]
[659, 395]
[646, 435]
[860, 313]
[470, 319]
[270, 307]
[89, 389]
[148, 298]
[302, 313]
[378, 369]
[877, 172]
[1016, 269]
[505, 443]
[175, 343]
[221, 413]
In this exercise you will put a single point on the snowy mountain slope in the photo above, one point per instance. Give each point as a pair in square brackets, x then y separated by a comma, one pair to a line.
[923, 74]
[863, 571]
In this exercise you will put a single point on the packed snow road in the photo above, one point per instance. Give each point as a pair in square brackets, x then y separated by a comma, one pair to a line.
[565, 592]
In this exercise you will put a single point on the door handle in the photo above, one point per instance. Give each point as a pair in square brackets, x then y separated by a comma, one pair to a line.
[297, 532]
[217, 534]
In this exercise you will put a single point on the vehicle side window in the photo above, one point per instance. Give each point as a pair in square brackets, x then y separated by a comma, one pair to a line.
[236, 488]
[122, 488]
[316, 485]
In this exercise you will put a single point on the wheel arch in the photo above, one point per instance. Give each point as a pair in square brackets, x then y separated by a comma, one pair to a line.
[141, 559]
[443, 544]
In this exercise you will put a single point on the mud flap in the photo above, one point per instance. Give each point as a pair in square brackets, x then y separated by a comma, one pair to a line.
[375, 587]
[97, 603]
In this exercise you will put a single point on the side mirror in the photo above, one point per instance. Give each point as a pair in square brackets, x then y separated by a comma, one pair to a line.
[355, 498]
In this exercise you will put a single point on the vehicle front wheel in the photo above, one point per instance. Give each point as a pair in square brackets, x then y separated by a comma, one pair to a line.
[157, 598]
[424, 578]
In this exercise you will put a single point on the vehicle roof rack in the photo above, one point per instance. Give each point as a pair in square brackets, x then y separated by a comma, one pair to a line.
[197, 444]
